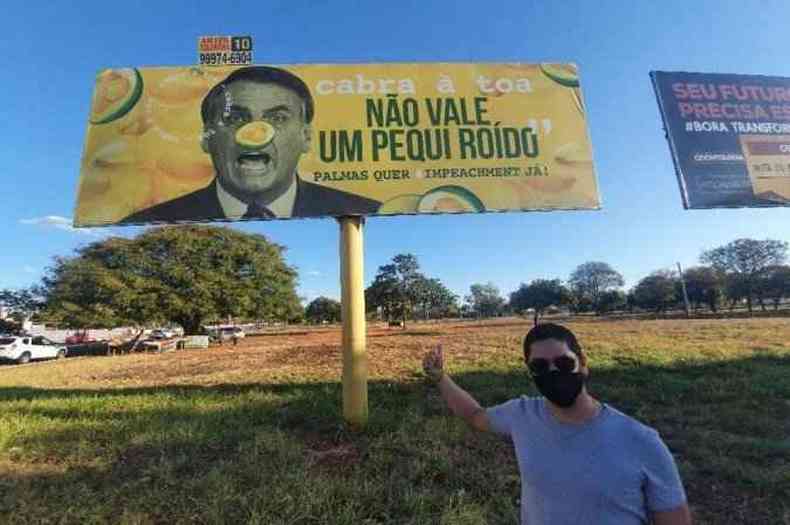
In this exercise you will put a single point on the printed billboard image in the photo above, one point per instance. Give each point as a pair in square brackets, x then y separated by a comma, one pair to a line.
[729, 136]
[262, 142]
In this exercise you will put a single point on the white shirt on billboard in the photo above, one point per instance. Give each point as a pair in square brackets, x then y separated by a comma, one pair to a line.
[282, 206]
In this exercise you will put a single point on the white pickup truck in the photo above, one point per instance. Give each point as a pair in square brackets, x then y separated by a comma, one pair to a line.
[23, 349]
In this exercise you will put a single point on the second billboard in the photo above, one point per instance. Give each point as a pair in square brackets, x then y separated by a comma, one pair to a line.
[729, 136]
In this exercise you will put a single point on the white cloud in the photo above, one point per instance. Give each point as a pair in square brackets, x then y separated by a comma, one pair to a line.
[308, 295]
[314, 273]
[61, 223]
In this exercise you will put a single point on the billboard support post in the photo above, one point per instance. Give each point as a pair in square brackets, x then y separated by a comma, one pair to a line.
[355, 365]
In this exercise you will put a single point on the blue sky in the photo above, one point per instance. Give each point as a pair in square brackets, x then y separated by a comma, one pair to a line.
[53, 51]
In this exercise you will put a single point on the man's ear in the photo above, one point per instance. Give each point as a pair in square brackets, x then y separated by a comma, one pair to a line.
[582, 359]
[307, 138]
[205, 137]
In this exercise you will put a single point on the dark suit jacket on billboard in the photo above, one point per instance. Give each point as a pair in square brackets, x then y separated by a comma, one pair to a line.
[312, 200]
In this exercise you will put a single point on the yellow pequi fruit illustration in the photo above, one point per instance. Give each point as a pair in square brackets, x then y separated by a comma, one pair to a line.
[139, 120]
[113, 182]
[449, 199]
[184, 168]
[116, 92]
[563, 74]
[254, 135]
[113, 155]
[176, 124]
[406, 203]
[573, 154]
[551, 184]
[183, 87]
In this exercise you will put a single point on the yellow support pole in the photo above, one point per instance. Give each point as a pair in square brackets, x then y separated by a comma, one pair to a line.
[355, 360]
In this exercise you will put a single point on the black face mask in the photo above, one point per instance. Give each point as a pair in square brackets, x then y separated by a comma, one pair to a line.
[561, 388]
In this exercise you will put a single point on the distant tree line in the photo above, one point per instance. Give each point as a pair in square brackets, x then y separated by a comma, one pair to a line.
[191, 275]
[743, 271]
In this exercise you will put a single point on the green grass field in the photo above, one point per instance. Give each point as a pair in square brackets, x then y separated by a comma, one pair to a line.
[253, 434]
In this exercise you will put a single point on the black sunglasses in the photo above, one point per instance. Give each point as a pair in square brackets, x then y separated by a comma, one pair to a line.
[564, 363]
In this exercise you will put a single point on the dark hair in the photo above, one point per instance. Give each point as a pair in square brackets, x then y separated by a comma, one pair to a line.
[261, 75]
[545, 331]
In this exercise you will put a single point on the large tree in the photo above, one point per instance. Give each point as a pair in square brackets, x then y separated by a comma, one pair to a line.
[20, 304]
[383, 294]
[591, 279]
[611, 301]
[746, 260]
[774, 285]
[396, 287]
[434, 298]
[485, 299]
[736, 288]
[539, 295]
[704, 285]
[185, 275]
[323, 309]
[656, 292]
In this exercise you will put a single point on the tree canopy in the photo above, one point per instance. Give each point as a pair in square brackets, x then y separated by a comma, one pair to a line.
[774, 285]
[399, 288]
[656, 292]
[20, 304]
[185, 275]
[744, 262]
[704, 285]
[539, 295]
[485, 299]
[323, 309]
[591, 279]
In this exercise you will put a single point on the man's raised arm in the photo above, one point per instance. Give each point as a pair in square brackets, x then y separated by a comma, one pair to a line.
[460, 402]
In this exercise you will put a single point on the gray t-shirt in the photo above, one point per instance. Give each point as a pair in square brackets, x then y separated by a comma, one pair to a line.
[610, 470]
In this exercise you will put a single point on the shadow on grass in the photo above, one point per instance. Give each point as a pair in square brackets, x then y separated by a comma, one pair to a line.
[268, 453]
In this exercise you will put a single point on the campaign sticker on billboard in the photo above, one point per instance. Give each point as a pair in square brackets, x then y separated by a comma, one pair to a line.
[262, 142]
[768, 163]
[224, 50]
[728, 136]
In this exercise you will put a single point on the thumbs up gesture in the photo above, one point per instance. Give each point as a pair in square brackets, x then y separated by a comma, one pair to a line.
[433, 364]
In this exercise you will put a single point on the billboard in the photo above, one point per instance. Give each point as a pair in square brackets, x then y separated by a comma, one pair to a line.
[190, 144]
[729, 136]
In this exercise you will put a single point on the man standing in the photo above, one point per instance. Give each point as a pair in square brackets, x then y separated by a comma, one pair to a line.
[257, 124]
[581, 461]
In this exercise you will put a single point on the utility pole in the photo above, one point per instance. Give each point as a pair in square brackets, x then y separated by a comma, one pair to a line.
[685, 294]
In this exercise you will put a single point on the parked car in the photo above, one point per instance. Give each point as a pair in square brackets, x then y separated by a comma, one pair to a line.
[23, 349]
[234, 331]
[226, 333]
[80, 338]
[162, 333]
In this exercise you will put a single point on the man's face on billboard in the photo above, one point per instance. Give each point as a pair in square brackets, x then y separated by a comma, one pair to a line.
[261, 173]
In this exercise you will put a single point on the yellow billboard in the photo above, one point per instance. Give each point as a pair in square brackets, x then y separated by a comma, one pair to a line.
[257, 142]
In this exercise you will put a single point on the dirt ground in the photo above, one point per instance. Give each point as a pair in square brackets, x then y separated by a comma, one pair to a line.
[305, 354]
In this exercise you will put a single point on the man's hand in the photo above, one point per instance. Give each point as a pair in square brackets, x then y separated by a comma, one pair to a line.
[433, 364]
[458, 400]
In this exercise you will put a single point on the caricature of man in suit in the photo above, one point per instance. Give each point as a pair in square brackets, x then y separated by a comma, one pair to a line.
[257, 182]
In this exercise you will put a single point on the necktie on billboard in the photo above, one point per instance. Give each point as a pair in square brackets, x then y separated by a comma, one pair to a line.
[256, 211]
